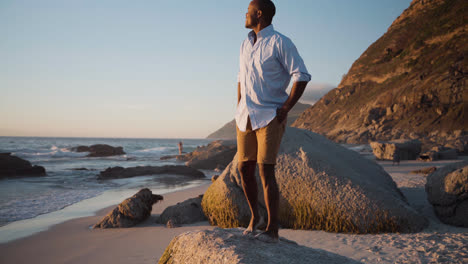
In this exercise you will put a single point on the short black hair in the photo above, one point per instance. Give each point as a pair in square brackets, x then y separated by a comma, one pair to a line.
[268, 9]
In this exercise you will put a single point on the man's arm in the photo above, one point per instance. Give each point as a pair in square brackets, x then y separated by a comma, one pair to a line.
[296, 93]
[238, 93]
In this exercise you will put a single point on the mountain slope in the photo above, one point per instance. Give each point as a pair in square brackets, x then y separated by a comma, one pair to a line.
[410, 83]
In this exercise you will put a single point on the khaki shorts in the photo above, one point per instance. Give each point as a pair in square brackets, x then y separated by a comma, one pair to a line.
[261, 145]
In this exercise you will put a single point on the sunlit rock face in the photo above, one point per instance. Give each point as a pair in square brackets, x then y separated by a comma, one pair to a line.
[322, 186]
[409, 84]
[447, 191]
[230, 246]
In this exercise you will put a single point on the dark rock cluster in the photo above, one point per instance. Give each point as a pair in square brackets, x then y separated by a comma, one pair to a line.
[11, 166]
[100, 150]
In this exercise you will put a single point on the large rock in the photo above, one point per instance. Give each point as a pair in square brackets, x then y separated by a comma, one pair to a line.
[131, 211]
[407, 149]
[168, 157]
[215, 155]
[439, 153]
[100, 150]
[322, 186]
[186, 212]
[447, 191]
[120, 172]
[230, 246]
[14, 166]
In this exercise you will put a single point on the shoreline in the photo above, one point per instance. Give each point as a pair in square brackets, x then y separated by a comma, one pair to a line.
[74, 242]
[93, 206]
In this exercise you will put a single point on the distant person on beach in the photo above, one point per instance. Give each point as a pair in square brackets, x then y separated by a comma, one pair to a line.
[268, 61]
[181, 147]
[396, 157]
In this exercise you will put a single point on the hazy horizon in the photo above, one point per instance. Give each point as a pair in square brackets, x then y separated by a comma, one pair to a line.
[158, 69]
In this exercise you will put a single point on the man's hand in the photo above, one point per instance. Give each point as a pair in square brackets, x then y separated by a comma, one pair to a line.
[296, 92]
[281, 114]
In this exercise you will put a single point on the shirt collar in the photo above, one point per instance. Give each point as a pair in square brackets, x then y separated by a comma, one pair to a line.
[262, 33]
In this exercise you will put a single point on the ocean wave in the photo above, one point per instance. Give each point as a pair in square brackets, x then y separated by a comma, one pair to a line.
[50, 201]
[154, 150]
[54, 153]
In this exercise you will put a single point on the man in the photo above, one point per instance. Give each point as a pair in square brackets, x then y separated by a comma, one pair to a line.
[268, 61]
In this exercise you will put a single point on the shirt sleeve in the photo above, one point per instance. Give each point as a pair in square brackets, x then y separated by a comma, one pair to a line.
[292, 61]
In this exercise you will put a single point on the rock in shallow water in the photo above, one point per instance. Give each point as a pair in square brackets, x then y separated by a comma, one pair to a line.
[130, 212]
[230, 246]
[100, 150]
[322, 186]
[15, 166]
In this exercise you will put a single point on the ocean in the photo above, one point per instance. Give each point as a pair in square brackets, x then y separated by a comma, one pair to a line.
[64, 187]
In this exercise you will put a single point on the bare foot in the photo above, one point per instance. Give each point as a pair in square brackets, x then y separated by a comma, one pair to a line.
[252, 228]
[268, 237]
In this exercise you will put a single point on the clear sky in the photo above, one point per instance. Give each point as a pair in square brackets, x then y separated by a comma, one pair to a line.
[157, 69]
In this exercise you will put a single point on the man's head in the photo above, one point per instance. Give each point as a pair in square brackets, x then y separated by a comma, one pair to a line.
[259, 12]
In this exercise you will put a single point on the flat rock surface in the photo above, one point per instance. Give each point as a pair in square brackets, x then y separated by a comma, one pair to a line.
[230, 246]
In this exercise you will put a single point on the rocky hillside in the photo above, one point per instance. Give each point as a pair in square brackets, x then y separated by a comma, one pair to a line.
[228, 131]
[410, 83]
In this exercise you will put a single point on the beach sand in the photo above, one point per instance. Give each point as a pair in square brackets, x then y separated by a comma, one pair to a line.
[74, 241]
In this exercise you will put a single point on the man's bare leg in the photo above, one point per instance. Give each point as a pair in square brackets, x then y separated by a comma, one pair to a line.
[249, 184]
[271, 195]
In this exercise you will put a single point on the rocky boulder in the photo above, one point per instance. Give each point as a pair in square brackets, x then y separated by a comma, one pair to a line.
[120, 172]
[130, 212]
[426, 171]
[322, 186]
[186, 212]
[406, 149]
[168, 157]
[99, 150]
[230, 246]
[439, 153]
[447, 191]
[15, 166]
[215, 155]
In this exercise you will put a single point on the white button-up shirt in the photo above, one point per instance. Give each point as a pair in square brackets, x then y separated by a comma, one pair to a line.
[266, 68]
